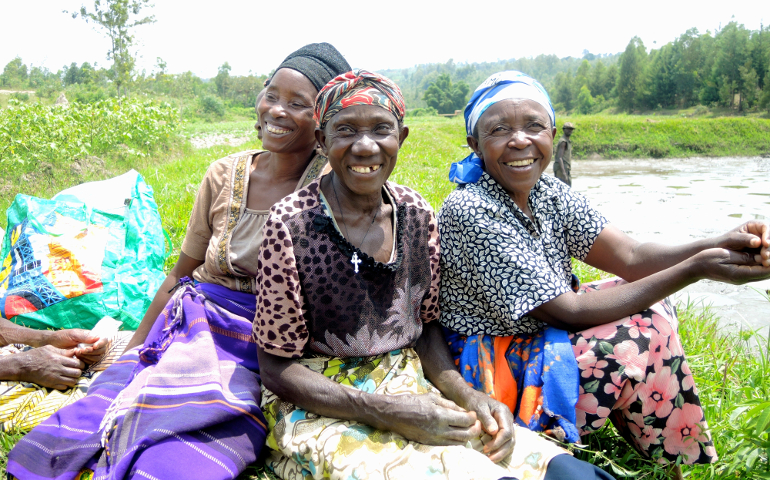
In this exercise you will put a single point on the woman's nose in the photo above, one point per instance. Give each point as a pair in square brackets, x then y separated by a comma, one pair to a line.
[277, 110]
[519, 139]
[365, 146]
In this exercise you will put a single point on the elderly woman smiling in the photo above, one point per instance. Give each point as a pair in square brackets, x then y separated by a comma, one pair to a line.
[509, 299]
[349, 277]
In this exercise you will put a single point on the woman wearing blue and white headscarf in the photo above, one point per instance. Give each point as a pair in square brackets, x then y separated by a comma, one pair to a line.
[517, 321]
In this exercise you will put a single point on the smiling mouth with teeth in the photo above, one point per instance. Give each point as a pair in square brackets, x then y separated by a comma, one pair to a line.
[276, 130]
[521, 163]
[372, 168]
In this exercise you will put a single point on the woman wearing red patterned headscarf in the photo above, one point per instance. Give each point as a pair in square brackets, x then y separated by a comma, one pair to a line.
[358, 380]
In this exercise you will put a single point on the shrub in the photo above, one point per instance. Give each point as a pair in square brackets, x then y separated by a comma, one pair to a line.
[212, 105]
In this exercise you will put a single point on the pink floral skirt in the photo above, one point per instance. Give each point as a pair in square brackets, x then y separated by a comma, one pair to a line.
[634, 372]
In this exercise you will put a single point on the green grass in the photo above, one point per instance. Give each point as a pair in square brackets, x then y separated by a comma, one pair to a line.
[733, 377]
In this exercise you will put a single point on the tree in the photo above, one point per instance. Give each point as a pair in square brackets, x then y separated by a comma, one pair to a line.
[585, 102]
[445, 97]
[631, 69]
[731, 54]
[118, 18]
[14, 74]
[222, 80]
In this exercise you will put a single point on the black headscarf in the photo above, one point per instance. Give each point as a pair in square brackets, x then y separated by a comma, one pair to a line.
[319, 62]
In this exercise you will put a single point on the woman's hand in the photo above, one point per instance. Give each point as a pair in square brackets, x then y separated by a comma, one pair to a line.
[496, 420]
[752, 237]
[730, 266]
[93, 353]
[430, 420]
[47, 366]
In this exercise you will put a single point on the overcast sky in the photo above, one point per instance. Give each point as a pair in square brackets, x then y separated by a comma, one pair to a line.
[256, 35]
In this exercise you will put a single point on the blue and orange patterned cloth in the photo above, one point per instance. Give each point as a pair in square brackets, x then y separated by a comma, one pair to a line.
[536, 376]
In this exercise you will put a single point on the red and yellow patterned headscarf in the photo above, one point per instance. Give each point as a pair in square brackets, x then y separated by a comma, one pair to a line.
[358, 87]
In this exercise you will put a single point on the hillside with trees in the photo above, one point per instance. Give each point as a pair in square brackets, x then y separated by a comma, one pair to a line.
[725, 71]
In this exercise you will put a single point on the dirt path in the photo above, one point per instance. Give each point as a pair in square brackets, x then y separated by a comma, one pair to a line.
[8, 92]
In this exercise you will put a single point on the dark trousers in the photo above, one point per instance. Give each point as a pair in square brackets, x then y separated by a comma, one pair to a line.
[567, 467]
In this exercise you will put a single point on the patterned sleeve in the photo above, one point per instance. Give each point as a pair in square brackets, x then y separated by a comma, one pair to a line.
[507, 278]
[429, 309]
[279, 326]
[583, 222]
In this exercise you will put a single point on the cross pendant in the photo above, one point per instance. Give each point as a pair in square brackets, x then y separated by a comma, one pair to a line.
[355, 261]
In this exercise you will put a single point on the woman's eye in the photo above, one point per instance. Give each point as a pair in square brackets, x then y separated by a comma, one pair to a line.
[344, 130]
[298, 105]
[383, 129]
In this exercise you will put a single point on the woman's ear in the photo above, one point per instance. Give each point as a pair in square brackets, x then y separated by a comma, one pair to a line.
[474, 144]
[402, 135]
[320, 137]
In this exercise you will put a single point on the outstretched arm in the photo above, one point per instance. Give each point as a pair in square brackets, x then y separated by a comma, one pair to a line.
[615, 252]
[577, 312]
[428, 419]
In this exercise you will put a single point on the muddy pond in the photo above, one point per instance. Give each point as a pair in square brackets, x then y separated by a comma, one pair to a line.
[680, 200]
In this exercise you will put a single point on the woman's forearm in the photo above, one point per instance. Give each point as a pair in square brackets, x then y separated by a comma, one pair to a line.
[577, 312]
[437, 363]
[615, 252]
[315, 393]
[11, 333]
[649, 258]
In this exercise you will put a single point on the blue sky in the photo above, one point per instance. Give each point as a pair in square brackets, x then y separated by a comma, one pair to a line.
[255, 36]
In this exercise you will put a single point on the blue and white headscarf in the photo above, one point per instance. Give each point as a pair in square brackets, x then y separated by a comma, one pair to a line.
[500, 86]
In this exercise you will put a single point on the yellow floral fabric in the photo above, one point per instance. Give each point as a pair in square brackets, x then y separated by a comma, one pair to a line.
[306, 446]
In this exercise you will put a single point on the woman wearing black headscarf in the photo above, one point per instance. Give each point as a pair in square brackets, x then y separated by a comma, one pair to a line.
[188, 386]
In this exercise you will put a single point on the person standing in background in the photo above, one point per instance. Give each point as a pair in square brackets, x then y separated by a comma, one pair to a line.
[562, 166]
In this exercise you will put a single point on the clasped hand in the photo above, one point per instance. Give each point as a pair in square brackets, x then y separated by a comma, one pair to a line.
[433, 420]
[742, 255]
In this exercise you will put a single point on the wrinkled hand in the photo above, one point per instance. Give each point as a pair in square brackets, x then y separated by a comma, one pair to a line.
[730, 266]
[70, 338]
[431, 420]
[93, 353]
[752, 237]
[49, 367]
[496, 420]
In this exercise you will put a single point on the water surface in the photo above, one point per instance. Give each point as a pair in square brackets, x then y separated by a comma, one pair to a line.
[680, 200]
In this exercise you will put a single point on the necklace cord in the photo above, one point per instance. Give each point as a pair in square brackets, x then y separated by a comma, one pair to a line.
[342, 217]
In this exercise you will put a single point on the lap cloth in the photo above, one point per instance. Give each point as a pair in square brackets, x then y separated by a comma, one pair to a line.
[304, 445]
[632, 371]
[24, 405]
[186, 405]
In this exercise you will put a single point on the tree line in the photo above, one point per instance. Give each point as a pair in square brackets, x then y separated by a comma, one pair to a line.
[727, 69]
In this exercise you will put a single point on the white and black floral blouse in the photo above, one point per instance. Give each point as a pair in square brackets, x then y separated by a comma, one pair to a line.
[497, 264]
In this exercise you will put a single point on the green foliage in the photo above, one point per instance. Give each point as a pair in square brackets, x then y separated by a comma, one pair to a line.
[421, 112]
[211, 105]
[14, 74]
[621, 136]
[585, 102]
[445, 97]
[36, 139]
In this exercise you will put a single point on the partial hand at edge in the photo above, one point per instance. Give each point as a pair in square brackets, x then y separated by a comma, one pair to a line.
[752, 236]
[730, 266]
[49, 367]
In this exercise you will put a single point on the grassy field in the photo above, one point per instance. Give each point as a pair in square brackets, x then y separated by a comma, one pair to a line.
[733, 379]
